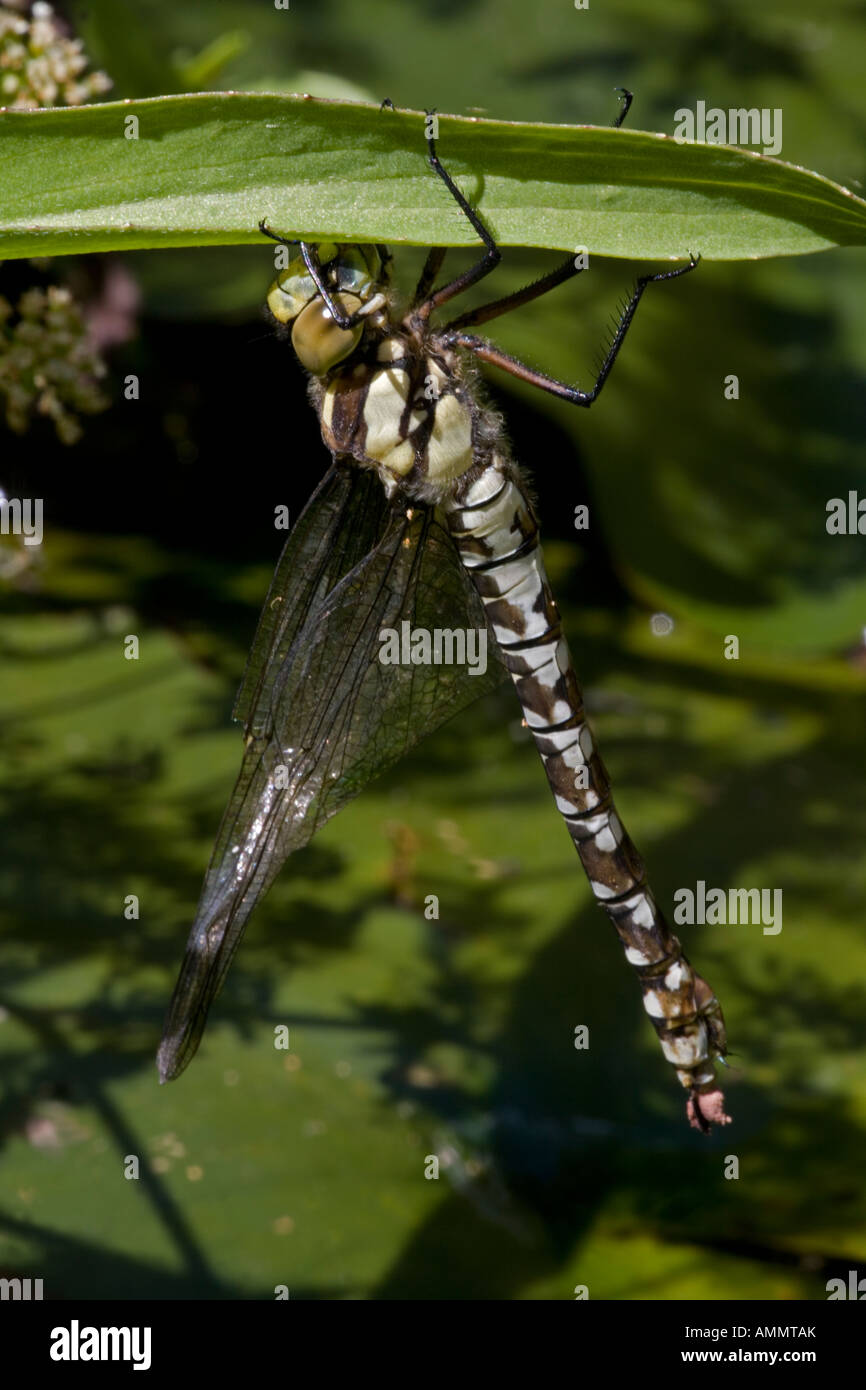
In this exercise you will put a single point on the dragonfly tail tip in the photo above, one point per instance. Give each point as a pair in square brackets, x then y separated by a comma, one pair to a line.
[705, 1109]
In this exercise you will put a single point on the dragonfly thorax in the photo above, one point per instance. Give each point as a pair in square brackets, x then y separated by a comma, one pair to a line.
[406, 414]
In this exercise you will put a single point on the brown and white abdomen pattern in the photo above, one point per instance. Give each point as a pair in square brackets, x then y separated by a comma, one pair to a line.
[496, 535]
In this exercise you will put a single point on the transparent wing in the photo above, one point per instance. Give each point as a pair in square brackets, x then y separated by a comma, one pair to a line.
[322, 714]
[344, 519]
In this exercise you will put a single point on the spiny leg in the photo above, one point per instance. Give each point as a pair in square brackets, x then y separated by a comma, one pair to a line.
[492, 256]
[422, 304]
[488, 262]
[556, 277]
[435, 255]
[311, 261]
[488, 353]
[485, 312]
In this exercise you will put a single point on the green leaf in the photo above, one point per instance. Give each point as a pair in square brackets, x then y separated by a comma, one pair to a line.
[205, 168]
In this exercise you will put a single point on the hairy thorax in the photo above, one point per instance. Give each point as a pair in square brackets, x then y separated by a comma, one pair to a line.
[405, 413]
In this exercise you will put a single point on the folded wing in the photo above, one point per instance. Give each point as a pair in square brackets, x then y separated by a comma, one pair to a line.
[322, 715]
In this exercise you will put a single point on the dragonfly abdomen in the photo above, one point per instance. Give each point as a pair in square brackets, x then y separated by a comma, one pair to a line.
[496, 534]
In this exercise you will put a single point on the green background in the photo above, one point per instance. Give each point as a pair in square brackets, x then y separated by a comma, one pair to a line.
[408, 1037]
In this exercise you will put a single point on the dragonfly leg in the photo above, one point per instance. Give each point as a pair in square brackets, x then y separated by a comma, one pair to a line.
[311, 261]
[488, 353]
[488, 262]
[432, 266]
[485, 312]
[626, 98]
[425, 305]
[569, 268]
[435, 255]
[275, 236]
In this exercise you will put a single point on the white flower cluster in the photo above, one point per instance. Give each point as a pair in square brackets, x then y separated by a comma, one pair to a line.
[40, 65]
[47, 365]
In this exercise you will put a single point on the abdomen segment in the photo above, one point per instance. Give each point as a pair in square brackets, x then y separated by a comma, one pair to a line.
[496, 535]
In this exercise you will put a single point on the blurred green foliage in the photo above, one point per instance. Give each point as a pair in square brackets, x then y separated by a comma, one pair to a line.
[411, 1037]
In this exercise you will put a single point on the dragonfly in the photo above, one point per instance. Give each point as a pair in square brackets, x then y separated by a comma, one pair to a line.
[422, 519]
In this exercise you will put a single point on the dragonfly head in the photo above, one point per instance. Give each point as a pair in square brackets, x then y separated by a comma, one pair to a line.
[354, 276]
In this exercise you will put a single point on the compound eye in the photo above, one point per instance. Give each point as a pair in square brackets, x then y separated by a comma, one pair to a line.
[319, 342]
